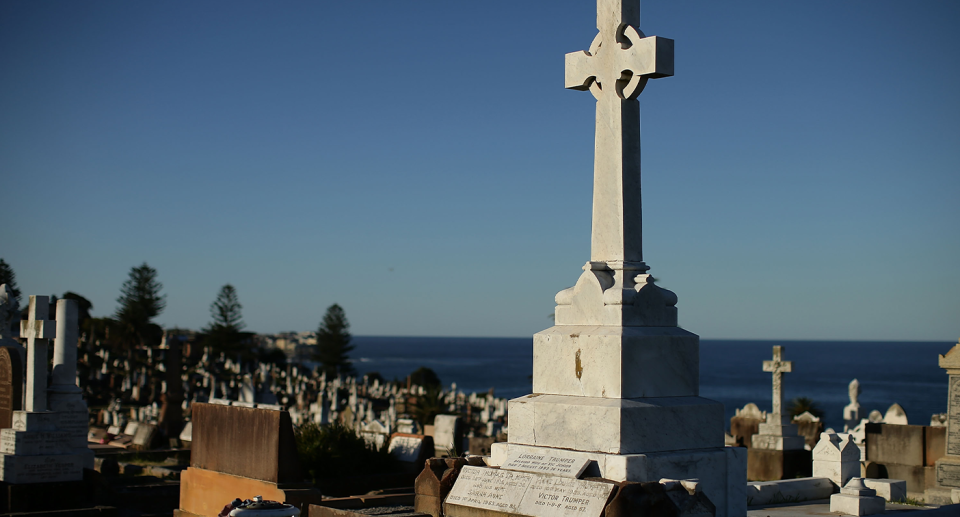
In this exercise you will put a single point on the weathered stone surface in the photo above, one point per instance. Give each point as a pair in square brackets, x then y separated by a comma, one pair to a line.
[205, 492]
[889, 489]
[794, 490]
[771, 465]
[903, 444]
[721, 471]
[837, 458]
[616, 362]
[11, 385]
[617, 426]
[412, 448]
[434, 483]
[222, 433]
[554, 462]
[525, 493]
[41, 469]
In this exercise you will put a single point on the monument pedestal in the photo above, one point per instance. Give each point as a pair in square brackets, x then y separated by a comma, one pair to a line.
[948, 466]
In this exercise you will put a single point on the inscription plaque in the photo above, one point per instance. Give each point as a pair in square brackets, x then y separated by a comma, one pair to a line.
[11, 385]
[948, 475]
[525, 493]
[554, 464]
[953, 417]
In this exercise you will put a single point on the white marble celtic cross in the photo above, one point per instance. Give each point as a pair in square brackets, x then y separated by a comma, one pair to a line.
[37, 330]
[615, 70]
[778, 367]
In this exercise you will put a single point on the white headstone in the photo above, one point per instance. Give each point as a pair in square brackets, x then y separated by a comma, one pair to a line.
[895, 415]
[836, 457]
[37, 330]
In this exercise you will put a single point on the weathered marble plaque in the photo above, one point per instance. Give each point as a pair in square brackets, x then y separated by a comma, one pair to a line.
[948, 475]
[525, 493]
[554, 464]
[551, 495]
[953, 417]
[11, 385]
[490, 489]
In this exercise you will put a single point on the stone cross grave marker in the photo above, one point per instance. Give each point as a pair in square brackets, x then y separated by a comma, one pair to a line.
[38, 331]
[615, 70]
[777, 367]
[11, 385]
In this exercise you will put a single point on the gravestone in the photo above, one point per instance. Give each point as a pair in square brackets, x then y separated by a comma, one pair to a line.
[895, 415]
[809, 428]
[411, 448]
[851, 412]
[616, 381]
[745, 423]
[241, 452]
[448, 435]
[777, 450]
[948, 466]
[837, 458]
[64, 396]
[11, 385]
[39, 447]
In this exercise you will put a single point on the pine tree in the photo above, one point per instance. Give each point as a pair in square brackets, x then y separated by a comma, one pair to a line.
[226, 310]
[224, 332]
[333, 343]
[7, 276]
[140, 301]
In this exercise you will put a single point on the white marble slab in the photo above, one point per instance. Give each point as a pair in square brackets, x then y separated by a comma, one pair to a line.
[722, 471]
[616, 426]
[553, 462]
[616, 362]
[525, 493]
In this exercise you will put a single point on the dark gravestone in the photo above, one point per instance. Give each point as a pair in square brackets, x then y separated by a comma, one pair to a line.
[11, 385]
[252, 443]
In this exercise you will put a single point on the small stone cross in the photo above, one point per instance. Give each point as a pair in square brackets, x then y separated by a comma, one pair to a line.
[778, 367]
[38, 331]
[615, 70]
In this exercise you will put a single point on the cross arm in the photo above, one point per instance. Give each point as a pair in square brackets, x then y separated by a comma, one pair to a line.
[651, 56]
[778, 366]
[38, 329]
[577, 71]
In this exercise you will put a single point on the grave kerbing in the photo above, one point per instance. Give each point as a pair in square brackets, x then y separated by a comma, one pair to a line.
[616, 381]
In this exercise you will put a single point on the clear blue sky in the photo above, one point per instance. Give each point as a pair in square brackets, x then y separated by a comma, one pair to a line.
[421, 164]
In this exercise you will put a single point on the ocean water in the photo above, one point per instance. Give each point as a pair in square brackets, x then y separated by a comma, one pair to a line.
[730, 370]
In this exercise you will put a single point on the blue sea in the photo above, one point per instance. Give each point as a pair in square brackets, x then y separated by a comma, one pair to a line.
[730, 370]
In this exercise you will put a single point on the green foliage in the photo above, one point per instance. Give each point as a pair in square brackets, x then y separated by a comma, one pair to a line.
[226, 310]
[425, 377]
[335, 451]
[333, 343]
[801, 404]
[140, 301]
[224, 332]
[7, 276]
